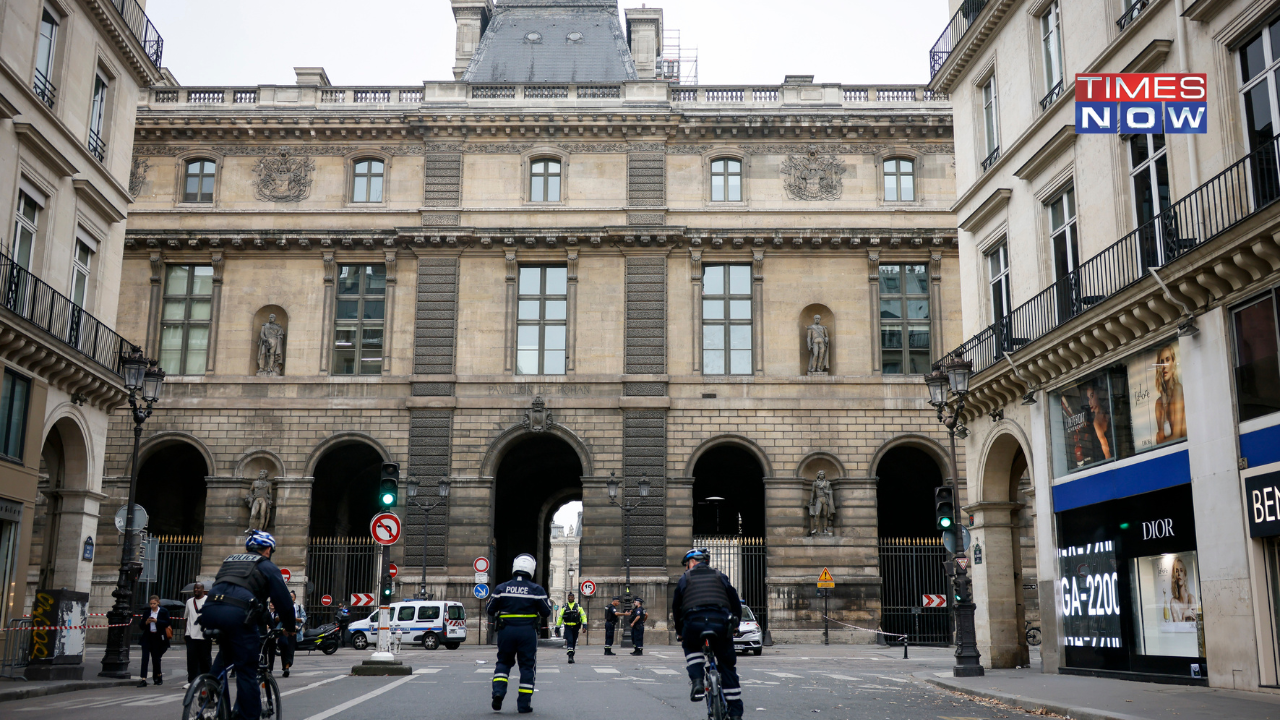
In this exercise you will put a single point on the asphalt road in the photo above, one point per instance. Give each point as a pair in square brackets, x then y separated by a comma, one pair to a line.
[837, 682]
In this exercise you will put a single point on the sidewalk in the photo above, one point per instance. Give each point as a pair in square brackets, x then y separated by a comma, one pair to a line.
[1086, 698]
[175, 659]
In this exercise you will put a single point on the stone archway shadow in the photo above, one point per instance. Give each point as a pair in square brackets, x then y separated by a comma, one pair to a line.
[339, 439]
[932, 447]
[732, 440]
[513, 435]
[164, 439]
[821, 460]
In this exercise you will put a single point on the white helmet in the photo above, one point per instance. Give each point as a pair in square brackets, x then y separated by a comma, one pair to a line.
[524, 564]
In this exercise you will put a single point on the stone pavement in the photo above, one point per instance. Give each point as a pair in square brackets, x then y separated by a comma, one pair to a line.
[174, 660]
[1087, 698]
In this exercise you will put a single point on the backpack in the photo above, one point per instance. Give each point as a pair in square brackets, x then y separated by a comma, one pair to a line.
[571, 615]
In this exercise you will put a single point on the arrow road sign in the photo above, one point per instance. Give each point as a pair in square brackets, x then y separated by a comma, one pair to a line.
[385, 528]
[481, 592]
[361, 599]
[481, 565]
[327, 600]
[394, 570]
[935, 601]
[287, 575]
[587, 588]
[825, 580]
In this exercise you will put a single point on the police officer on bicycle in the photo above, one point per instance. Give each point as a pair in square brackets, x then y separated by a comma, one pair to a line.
[706, 601]
[519, 606]
[236, 608]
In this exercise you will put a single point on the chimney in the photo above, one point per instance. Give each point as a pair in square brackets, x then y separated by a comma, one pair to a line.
[311, 76]
[644, 32]
[472, 17]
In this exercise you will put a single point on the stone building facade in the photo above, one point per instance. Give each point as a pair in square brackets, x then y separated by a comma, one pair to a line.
[554, 270]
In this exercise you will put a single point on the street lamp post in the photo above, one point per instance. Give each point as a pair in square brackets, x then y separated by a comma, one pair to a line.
[627, 509]
[141, 377]
[948, 387]
[411, 494]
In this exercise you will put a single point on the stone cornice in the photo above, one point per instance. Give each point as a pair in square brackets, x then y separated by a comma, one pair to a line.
[305, 139]
[113, 25]
[38, 353]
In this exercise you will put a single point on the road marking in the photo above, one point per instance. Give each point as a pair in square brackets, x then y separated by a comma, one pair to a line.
[873, 687]
[839, 677]
[483, 670]
[549, 670]
[363, 698]
[312, 685]
[606, 670]
[882, 677]
[782, 674]
[156, 700]
[313, 672]
[664, 671]
[424, 671]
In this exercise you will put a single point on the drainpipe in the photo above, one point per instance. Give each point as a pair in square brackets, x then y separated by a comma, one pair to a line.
[1193, 156]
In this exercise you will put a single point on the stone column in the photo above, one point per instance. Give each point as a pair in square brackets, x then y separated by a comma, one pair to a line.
[470, 523]
[679, 520]
[226, 518]
[873, 279]
[997, 585]
[291, 525]
[77, 519]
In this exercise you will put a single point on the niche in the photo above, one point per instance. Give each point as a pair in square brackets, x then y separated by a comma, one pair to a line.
[255, 336]
[829, 322]
[823, 461]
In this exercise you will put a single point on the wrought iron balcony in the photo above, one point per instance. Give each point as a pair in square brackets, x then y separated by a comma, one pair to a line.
[143, 31]
[953, 34]
[97, 146]
[1049, 97]
[33, 300]
[1234, 195]
[44, 89]
[991, 159]
[1132, 13]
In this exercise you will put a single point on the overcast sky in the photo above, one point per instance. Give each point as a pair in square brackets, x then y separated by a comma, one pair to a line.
[404, 42]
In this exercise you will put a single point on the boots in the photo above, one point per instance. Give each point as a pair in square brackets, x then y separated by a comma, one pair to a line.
[696, 691]
[609, 651]
[497, 703]
[638, 651]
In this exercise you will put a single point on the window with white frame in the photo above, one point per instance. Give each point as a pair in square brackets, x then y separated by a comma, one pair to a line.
[46, 51]
[185, 318]
[360, 316]
[97, 117]
[26, 225]
[1259, 68]
[899, 180]
[1051, 45]
[990, 117]
[542, 320]
[1150, 175]
[726, 180]
[1062, 225]
[726, 320]
[366, 186]
[81, 267]
[544, 180]
[904, 319]
[998, 274]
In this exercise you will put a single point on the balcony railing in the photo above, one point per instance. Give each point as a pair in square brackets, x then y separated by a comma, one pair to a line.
[991, 159]
[44, 89]
[143, 31]
[1050, 96]
[953, 34]
[32, 299]
[1234, 195]
[97, 146]
[1132, 13]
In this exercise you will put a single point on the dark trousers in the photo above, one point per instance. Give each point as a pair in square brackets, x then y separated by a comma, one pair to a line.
[571, 637]
[609, 630]
[152, 649]
[722, 648]
[237, 648]
[637, 636]
[199, 657]
[286, 646]
[516, 643]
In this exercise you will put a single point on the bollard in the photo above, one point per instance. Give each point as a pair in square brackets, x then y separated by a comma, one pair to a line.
[904, 648]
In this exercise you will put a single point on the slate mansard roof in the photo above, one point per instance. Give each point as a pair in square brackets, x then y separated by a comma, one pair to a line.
[553, 41]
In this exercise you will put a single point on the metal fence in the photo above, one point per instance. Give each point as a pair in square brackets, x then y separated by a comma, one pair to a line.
[143, 31]
[339, 566]
[743, 560]
[17, 649]
[175, 564]
[909, 569]
[953, 33]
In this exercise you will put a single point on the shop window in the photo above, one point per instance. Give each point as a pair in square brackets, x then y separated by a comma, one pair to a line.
[1257, 371]
[185, 318]
[358, 321]
[542, 320]
[904, 319]
[1166, 603]
[15, 395]
[1131, 407]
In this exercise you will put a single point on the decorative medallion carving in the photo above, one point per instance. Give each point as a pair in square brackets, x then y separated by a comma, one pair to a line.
[138, 175]
[283, 178]
[538, 418]
[813, 176]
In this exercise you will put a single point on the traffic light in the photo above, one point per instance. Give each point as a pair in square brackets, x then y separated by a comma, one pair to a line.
[386, 588]
[944, 507]
[389, 485]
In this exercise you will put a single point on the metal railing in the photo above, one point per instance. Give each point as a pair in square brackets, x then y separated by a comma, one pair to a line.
[1234, 195]
[909, 569]
[953, 34]
[32, 299]
[143, 31]
[743, 561]
[1050, 96]
[97, 146]
[44, 88]
[991, 159]
[1132, 13]
[177, 563]
[17, 649]
[339, 566]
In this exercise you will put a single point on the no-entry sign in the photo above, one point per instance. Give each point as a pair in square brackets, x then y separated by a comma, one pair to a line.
[326, 600]
[481, 565]
[287, 575]
[394, 570]
[385, 528]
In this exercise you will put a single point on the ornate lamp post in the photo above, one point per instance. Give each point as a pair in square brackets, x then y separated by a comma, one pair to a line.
[141, 378]
[948, 387]
[411, 493]
[627, 509]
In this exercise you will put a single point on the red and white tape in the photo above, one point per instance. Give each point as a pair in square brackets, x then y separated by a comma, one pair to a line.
[855, 627]
[89, 614]
[70, 627]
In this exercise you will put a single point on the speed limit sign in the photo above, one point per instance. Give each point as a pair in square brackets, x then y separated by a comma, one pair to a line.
[588, 588]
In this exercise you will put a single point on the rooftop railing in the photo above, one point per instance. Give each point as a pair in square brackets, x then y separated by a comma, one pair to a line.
[143, 31]
[33, 300]
[953, 34]
[1234, 195]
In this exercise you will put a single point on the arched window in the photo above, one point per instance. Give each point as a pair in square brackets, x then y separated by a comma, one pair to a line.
[199, 182]
[726, 180]
[899, 180]
[544, 180]
[368, 181]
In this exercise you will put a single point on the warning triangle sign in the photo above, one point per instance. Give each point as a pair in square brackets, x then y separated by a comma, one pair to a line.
[826, 576]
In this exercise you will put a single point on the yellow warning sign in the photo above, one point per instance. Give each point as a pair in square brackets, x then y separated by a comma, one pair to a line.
[825, 580]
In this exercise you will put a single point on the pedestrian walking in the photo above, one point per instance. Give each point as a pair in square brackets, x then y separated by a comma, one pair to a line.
[572, 617]
[519, 607]
[638, 618]
[611, 623]
[288, 644]
[199, 647]
[156, 632]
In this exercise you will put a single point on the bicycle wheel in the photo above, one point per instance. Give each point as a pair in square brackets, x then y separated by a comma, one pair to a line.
[202, 701]
[1033, 635]
[271, 709]
[716, 709]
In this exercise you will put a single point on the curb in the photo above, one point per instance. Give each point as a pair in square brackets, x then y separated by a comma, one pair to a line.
[1031, 704]
[23, 693]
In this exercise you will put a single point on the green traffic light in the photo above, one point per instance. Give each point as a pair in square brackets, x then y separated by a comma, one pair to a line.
[944, 523]
[388, 498]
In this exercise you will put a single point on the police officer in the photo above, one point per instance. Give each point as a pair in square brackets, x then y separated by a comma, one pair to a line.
[572, 617]
[611, 623]
[519, 606]
[638, 617]
[237, 606]
[705, 600]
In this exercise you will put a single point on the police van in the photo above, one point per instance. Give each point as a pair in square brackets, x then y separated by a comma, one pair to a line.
[430, 622]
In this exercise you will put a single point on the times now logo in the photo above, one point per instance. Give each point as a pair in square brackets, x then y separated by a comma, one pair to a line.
[1142, 103]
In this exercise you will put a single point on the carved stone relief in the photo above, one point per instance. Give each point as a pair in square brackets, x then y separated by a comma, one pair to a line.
[283, 178]
[138, 175]
[813, 176]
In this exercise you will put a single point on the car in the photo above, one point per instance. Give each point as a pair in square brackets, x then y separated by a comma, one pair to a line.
[748, 637]
[430, 622]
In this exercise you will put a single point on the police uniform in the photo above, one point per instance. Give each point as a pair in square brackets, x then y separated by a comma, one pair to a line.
[519, 606]
[637, 628]
[571, 626]
[705, 600]
[236, 607]
[610, 626]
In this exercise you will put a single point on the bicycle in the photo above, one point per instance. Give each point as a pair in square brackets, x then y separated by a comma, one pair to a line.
[209, 697]
[1033, 634]
[717, 706]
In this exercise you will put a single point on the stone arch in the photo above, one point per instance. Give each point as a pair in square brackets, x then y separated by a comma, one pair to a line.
[67, 511]
[999, 451]
[172, 471]
[77, 443]
[164, 439]
[512, 436]
[257, 459]
[739, 441]
[930, 446]
[343, 438]
[803, 323]
[820, 460]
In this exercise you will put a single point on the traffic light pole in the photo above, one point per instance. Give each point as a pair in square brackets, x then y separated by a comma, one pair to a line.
[384, 610]
[968, 659]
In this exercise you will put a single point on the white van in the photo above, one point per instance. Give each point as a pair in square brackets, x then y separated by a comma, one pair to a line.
[430, 622]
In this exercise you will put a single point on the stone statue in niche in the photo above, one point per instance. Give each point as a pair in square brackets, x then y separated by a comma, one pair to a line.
[819, 342]
[260, 502]
[271, 349]
[822, 506]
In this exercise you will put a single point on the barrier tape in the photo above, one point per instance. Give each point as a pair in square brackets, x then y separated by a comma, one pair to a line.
[855, 627]
[89, 614]
[70, 627]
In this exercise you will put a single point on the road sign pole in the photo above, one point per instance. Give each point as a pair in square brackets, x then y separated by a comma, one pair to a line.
[826, 621]
[384, 612]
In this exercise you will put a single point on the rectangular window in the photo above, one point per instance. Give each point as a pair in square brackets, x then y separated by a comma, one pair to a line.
[8, 550]
[726, 320]
[81, 266]
[26, 225]
[904, 319]
[184, 320]
[1257, 371]
[428, 612]
[990, 116]
[1150, 177]
[998, 271]
[359, 319]
[1051, 43]
[46, 51]
[97, 118]
[15, 396]
[541, 320]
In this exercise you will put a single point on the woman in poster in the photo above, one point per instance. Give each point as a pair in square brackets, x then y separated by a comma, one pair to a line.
[1171, 421]
[1100, 413]
[1182, 602]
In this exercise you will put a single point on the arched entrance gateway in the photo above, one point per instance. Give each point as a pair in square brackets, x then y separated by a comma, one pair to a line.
[63, 520]
[172, 489]
[729, 519]
[538, 473]
[341, 555]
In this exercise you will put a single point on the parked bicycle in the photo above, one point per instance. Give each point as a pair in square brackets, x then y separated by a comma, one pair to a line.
[209, 697]
[717, 705]
[1033, 634]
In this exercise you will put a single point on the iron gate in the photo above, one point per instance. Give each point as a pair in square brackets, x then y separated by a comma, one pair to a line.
[743, 560]
[339, 566]
[909, 569]
[177, 565]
